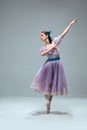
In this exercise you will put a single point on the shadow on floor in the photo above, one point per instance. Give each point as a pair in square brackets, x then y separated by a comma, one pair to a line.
[37, 113]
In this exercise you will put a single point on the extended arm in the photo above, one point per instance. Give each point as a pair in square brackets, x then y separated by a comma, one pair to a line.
[68, 28]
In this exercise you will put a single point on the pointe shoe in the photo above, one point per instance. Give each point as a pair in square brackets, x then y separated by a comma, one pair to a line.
[48, 107]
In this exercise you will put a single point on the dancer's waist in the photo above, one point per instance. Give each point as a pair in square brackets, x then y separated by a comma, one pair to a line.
[53, 59]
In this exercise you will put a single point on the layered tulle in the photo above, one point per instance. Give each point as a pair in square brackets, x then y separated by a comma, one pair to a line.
[50, 79]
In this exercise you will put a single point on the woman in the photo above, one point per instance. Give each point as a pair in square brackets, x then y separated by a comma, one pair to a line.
[50, 79]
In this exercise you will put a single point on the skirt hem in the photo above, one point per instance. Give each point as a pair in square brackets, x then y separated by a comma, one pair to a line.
[49, 93]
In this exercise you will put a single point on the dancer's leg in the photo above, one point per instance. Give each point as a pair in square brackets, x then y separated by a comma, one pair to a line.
[49, 99]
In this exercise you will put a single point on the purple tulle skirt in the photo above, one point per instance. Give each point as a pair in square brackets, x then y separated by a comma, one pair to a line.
[50, 79]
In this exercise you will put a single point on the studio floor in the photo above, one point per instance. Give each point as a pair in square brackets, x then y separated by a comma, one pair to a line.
[67, 113]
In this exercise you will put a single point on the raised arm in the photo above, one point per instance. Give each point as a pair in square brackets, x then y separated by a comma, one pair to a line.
[68, 28]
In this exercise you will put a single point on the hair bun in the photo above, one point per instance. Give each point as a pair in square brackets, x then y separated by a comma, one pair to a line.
[49, 32]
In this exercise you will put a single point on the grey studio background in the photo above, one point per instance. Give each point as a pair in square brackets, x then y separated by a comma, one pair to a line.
[21, 22]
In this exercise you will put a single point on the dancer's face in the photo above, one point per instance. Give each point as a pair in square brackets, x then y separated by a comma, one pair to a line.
[43, 37]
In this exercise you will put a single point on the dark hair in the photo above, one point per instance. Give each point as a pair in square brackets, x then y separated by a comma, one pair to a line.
[48, 33]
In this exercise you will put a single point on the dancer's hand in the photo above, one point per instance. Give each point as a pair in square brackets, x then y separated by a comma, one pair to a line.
[74, 21]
